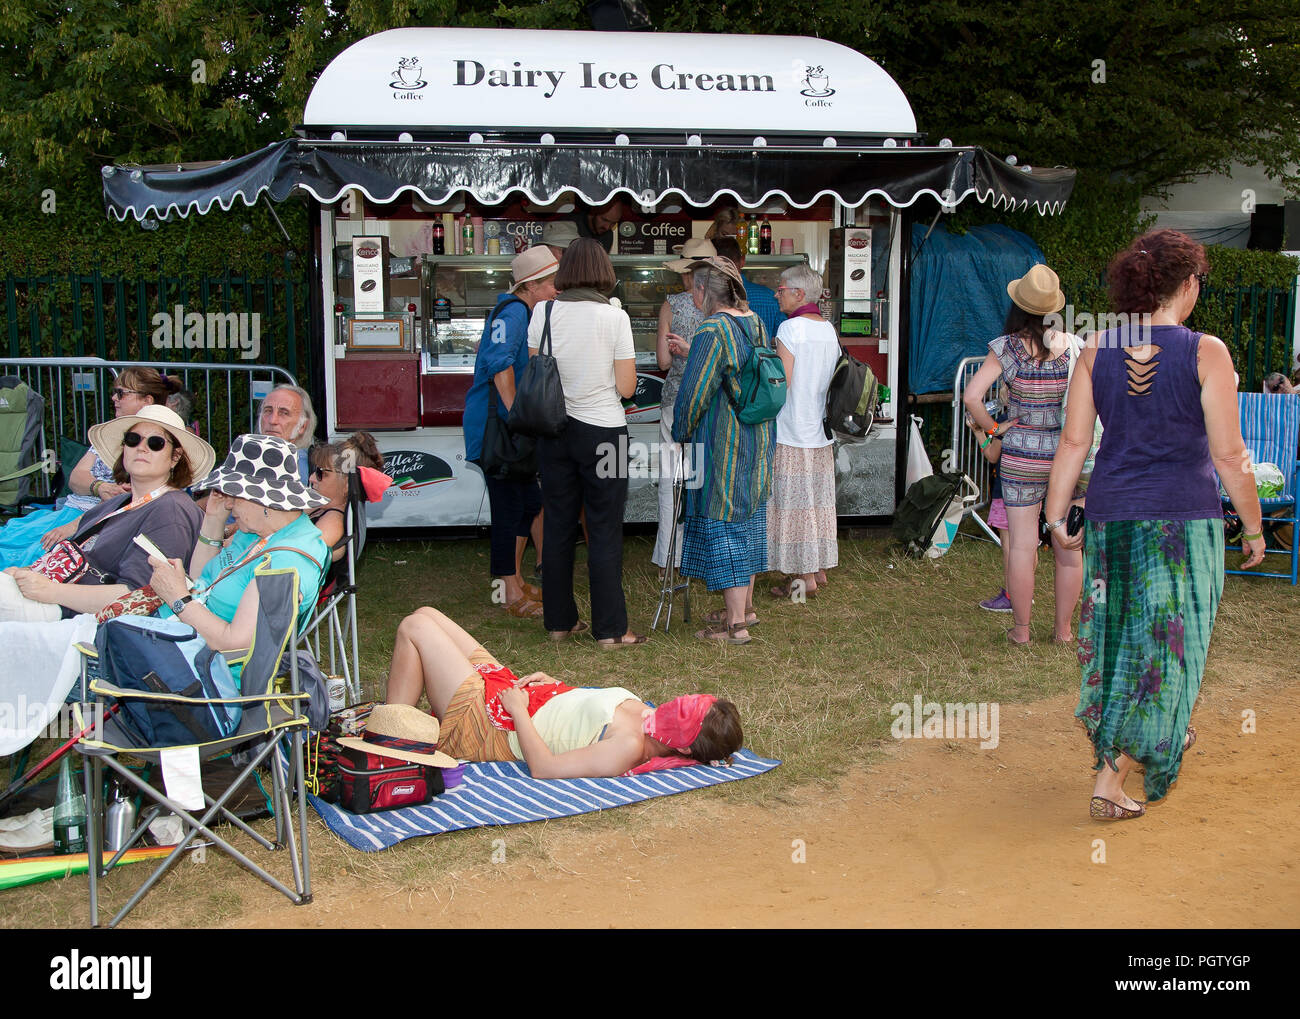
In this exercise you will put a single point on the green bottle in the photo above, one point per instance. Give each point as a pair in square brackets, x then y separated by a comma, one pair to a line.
[69, 814]
[753, 234]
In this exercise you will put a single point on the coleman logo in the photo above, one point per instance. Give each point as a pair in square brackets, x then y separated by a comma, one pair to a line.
[407, 74]
[403, 790]
[411, 469]
[816, 83]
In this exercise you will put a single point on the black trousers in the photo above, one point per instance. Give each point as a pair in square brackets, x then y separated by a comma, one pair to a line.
[572, 467]
[514, 506]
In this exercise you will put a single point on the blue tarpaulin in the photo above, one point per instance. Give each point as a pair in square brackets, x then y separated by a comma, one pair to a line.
[959, 297]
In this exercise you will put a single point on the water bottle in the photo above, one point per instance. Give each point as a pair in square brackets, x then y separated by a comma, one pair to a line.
[119, 817]
[69, 814]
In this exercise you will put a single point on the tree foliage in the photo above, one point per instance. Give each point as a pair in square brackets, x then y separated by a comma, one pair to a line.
[1134, 95]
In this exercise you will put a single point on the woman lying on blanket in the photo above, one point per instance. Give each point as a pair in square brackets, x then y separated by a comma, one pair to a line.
[487, 714]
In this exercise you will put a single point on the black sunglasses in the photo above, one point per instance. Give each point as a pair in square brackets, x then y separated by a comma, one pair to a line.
[320, 472]
[155, 442]
[119, 392]
[1203, 278]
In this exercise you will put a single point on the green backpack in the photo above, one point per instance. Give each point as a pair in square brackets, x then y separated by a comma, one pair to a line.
[762, 382]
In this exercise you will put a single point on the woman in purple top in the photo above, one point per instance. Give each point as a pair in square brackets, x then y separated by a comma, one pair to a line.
[1153, 542]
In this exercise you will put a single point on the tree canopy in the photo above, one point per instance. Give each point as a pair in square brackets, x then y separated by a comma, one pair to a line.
[1134, 95]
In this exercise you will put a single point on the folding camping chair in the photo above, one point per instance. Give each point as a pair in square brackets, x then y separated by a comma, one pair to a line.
[270, 721]
[336, 608]
[1270, 425]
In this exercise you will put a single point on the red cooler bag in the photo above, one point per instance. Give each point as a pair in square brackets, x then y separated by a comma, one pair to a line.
[371, 783]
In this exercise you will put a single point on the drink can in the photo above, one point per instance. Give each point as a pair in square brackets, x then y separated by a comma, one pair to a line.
[338, 693]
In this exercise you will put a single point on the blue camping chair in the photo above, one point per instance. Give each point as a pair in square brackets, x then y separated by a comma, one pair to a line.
[1270, 425]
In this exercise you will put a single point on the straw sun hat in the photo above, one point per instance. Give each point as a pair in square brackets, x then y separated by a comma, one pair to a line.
[695, 248]
[107, 437]
[404, 733]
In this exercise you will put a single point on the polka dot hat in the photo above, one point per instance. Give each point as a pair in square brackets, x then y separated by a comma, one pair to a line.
[263, 469]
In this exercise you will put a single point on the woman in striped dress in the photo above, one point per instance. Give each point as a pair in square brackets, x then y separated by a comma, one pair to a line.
[1034, 361]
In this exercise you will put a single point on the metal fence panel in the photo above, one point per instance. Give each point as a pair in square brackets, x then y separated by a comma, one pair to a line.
[77, 393]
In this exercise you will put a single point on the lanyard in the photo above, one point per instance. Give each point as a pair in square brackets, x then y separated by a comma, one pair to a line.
[202, 593]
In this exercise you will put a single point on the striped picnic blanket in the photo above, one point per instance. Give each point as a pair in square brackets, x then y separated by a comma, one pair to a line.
[500, 793]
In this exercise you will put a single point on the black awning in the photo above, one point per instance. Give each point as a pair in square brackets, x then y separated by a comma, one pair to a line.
[492, 172]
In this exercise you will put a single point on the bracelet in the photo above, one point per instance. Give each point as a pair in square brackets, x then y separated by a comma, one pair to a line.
[1253, 537]
[988, 440]
[214, 542]
[94, 488]
[1055, 524]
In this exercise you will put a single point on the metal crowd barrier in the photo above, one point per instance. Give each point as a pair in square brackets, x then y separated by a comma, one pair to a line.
[965, 456]
[78, 394]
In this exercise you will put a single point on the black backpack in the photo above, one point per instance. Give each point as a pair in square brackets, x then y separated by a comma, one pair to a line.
[852, 399]
[917, 517]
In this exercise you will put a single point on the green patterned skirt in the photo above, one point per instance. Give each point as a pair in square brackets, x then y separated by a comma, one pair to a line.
[1151, 589]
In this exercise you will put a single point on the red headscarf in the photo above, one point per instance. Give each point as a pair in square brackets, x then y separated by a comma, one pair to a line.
[677, 723]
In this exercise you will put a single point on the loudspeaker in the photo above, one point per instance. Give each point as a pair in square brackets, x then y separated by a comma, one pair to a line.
[1266, 228]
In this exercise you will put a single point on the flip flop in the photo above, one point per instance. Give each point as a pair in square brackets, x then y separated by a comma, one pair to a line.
[616, 643]
[578, 627]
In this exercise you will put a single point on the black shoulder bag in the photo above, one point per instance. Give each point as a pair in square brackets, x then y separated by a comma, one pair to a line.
[539, 408]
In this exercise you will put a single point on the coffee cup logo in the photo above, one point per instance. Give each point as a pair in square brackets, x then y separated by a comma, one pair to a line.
[817, 83]
[407, 74]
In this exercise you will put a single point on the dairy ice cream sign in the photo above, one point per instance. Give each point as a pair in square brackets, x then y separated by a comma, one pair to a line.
[506, 79]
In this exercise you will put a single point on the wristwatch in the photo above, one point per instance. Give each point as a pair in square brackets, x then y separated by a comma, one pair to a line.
[179, 604]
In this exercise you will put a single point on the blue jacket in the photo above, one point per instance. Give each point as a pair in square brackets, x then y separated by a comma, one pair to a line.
[504, 344]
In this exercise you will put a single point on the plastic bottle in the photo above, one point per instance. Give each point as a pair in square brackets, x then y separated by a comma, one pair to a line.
[753, 234]
[742, 233]
[69, 813]
[439, 238]
[467, 236]
[765, 238]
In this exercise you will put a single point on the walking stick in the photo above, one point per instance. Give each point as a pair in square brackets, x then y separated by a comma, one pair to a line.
[671, 583]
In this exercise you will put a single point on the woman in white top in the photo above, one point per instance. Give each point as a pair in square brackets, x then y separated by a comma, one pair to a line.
[585, 467]
[801, 517]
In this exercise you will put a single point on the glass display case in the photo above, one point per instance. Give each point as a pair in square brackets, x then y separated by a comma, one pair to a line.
[457, 292]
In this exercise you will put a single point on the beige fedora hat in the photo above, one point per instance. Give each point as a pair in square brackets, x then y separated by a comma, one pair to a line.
[695, 248]
[1038, 291]
[403, 732]
[560, 233]
[107, 437]
[535, 263]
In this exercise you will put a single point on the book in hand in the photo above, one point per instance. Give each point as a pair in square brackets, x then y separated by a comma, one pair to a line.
[156, 553]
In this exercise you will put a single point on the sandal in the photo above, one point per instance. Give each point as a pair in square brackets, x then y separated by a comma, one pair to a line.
[785, 591]
[1018, 643]
[614, 643]
[718, 617]
[578, 627]
[524, 608]
[1190, 740]
[1103, 809]
[724, 634]
[535, 593]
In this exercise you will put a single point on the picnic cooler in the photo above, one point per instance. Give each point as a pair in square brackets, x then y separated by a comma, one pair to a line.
[369, 783]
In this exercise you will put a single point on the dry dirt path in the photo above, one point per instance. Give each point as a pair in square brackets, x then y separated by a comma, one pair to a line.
[942, 834]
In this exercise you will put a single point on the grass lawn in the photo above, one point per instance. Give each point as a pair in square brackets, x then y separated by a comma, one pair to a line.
[814, 688]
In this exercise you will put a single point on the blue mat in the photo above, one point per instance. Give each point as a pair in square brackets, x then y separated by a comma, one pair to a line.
[499, 793]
